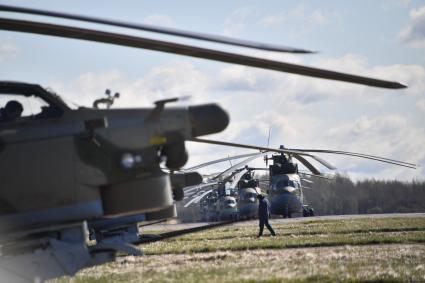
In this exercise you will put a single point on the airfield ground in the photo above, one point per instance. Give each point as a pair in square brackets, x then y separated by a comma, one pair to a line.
[331, 249]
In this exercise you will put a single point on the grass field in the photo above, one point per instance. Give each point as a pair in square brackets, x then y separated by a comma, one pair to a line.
[351, 250]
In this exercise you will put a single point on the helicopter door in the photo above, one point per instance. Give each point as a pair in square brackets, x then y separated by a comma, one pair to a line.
[36, 157]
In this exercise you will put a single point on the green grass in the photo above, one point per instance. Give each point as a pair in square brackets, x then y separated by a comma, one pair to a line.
[317, 227]
[297, 235]
[352, 250]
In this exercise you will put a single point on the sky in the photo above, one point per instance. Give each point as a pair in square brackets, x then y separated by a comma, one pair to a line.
[383, 39]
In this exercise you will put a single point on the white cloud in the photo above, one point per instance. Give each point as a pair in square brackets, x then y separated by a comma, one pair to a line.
[392, 136]
[421, 105]
[236, 22]
[394, 4]
[159, 20]
[300, 14]
[238, 78]
[414, 33]
[302, 112]
[175, 79]
[8, 51]
[306, 112]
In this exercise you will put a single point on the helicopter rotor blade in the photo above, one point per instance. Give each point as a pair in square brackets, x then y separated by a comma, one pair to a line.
[237, 166]
[307, 181]
[355, 154]
[304, 152]
[323, 162]
[257, 168]
[187, 50]
[218, 161]
[316, 176]
[307, 164]
[161, 30]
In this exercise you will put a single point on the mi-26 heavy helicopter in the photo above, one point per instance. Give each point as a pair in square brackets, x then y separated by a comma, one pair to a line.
[61, 168]
[284, 184]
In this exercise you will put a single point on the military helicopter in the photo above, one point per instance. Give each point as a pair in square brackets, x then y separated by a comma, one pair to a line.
[216, 200]
[87, 163]
[230, 194]
[248, 188]
[219, 204]
[285, 190]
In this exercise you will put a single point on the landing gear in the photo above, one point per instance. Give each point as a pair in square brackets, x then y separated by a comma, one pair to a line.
[286, 212]
[308, 211]
[288, 215]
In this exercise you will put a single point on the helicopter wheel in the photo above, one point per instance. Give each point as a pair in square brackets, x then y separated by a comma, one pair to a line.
[308, 211]
[286, 213]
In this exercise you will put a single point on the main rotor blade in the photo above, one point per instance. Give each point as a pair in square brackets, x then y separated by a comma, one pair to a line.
[307, 181]
[317, 176]
[361, 155]
[192, 201]
[263, 149]
[237, 178]
[238, 165]
[162, 30]
[190, 191]
[306, 152]
[307, 164]
[219, 160]
[323, 162]
[187, 50]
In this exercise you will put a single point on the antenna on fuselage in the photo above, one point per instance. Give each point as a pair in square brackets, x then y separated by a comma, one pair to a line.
[268, 139]
[108, 100]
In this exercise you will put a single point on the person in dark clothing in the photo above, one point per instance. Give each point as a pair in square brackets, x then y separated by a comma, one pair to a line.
[11, 111]
[263, 215]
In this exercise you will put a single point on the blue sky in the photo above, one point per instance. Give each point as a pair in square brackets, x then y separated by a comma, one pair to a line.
[384, 39]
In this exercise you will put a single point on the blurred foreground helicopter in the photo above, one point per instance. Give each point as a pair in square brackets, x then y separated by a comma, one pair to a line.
[61, 167]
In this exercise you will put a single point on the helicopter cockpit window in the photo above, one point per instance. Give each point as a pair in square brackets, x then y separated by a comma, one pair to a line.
[15, 107]
[285, 183]
[249, 196]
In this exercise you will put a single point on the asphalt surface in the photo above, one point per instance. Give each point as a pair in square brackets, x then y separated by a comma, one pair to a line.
[174, 225]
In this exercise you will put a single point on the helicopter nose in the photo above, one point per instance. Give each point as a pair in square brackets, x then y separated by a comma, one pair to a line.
[207, 119]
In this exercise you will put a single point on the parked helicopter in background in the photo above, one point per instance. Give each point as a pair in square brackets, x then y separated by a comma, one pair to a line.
[248, 190]
[219, 204]
[215, 198]
[284, 183]
[230, 194]
[284, 186]
[61, 167]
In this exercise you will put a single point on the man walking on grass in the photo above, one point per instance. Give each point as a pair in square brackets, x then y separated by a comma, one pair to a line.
[263, 215]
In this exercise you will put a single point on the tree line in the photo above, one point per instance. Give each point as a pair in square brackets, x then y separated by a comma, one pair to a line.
[341, 195]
